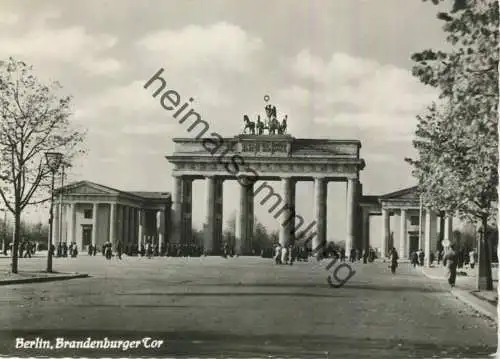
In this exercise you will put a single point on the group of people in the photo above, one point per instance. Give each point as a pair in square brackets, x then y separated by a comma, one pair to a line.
[25, 249]
[147, 249]
[63, 250]
[285, 254]
[289, 254]
[417, 258]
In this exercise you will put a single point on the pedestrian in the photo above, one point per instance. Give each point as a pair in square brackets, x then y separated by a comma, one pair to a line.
[450, 260]
[421, 256]
[352, 255]
[472, 259]
[394, 260]
[284, 255]
[107, 250]
[414, 259]
[28, 250]
[277, 254]
[119, 249]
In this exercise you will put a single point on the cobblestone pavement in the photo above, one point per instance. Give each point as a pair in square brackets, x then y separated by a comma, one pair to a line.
[242, 307]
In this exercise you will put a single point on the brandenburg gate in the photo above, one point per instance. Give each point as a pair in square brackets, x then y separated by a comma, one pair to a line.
[253, 159]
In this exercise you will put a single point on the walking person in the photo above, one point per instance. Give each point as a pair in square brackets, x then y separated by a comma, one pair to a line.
[119, 250]
[421, 257]
[277, 254]
[108, 250]
[414, 259]
[450, 260]
[394, 257]
[472, 259]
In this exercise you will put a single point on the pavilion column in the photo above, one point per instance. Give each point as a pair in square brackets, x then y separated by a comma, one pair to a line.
[160, 226]
[351, 214]
[135, 230]
[124, 223]
[55, 225]
[119, 223]
[287, 228]
[133, 226]
[94, 224]
[130, 227]
[244, 220]
[209, 235]
[140, 228]
[448, 228]
[430, 234]
[386, 232]
[421, 236]
[71, 222]
[403, 235]
[320, 194]
[366, 229]
[112, 215]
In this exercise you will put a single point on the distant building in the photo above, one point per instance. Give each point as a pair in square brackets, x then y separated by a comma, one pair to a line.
[90, 213]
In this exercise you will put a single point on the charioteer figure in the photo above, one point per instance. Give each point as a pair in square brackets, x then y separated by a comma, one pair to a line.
[270, 123]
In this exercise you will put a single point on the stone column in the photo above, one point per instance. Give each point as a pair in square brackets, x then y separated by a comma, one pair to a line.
[288, 223]
[421, 227]
[55, 225]
[160, 225]
[358, 220]
[94, 224]
[177, 210]
[366, 230]
[251, 218]
[131, 227]
[209, 225]
[219, 215]
[430, 234]
[448, 228]
[71, 222]
[112, 215]
[140, 234]
[135, 230]
[125, 224]
[187, 220]
[244, 221]
[403, 235]
[320, 194]
[350, 215]
[386, 232]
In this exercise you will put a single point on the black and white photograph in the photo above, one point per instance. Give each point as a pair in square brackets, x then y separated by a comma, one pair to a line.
[249, 179]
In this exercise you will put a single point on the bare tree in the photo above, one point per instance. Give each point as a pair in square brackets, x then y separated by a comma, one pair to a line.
[34, 120]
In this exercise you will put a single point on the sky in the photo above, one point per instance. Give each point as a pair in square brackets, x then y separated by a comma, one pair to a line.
[339, 69]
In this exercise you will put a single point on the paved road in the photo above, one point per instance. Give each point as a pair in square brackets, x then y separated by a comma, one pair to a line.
[243, 307]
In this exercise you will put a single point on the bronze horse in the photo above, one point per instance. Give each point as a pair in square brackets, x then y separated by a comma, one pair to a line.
[250, 125]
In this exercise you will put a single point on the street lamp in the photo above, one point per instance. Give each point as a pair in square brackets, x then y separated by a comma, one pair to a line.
[53, 162]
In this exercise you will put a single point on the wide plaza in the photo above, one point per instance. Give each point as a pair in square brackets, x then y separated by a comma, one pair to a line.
[242, 307]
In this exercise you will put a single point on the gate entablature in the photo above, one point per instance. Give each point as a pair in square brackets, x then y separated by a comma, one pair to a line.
[272, 157]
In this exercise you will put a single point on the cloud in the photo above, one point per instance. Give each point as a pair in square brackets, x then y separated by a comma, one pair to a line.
[356, 92]
[149, 129]
[221, 46]
[71, 45]
[8, 18]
